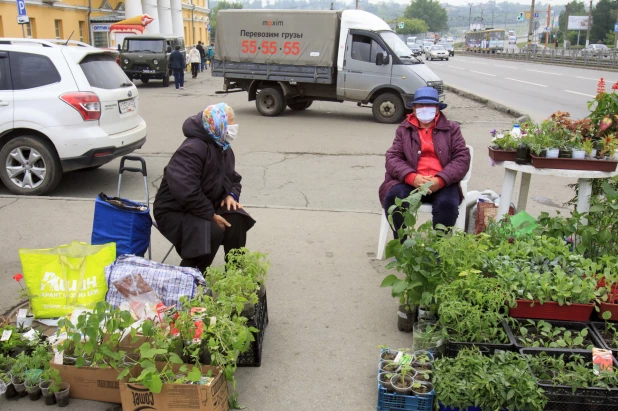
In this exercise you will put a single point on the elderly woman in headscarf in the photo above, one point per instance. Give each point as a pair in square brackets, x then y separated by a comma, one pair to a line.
[197, 207]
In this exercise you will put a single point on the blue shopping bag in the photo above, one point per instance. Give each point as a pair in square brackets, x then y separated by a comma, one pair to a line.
[124, 222]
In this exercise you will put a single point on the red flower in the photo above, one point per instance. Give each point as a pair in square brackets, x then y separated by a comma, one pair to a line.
[18, 277]
[615, 86]
[601, 86]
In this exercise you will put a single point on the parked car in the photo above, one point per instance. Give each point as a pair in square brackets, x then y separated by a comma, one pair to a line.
[147, 57]
[63, 106]
[595, 50]
[450, 49]
[415, 49]
[533, 48]
[436, 52]
[512, 39]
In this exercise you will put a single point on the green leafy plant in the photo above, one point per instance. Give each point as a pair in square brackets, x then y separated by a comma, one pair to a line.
[543, 334]
[498, 382]
[253, 264]
[53, 376]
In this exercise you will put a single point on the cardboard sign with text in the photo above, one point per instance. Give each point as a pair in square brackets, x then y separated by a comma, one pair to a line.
[91, 383]
[178, 397]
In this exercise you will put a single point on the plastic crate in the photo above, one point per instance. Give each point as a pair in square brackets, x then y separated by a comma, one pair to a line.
[569, 325]
[551, 311]
[599, 327]
[253, 356]
[562, 397]
[453, 347]
[399, 402]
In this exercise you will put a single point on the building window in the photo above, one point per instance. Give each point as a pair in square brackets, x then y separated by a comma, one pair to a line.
[58, 27]
[1, 28]
[101, 39]
[81, 30]
[31, 29]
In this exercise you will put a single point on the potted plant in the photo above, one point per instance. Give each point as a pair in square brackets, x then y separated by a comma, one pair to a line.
[403, 380]
[6, 387]
[428, 336]
[24, 294]
[503, 146]
[61, 393]
[50, 384]
[389, 366]
[421, 388]
[253, 264]
[551, 334]
[18, 372]
[384, 379]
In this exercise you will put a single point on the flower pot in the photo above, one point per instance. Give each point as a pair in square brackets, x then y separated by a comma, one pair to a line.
[62, 396]
[552, 153]
[423, 375]
[248, 311]
[129, 360]
[501, 155]
[428, 336]
[593, 153]
[261, 292]
[573, 164]
[425, 315]
[402, 386]
[389, 366]
[50, 398]
[578, 154]
[551, 311]
[406, 319]
[389, 355]
[612, 308]
[564, 153]
[26, 321]
[426, 388]
[419, 353]
[69, 360]
[20, 387]
[384, 379]
[34, 392]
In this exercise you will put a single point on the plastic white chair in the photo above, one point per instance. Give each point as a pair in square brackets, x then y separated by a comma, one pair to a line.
[426, 208]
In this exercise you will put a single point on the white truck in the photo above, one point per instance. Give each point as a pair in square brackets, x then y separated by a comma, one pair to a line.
[291, 58]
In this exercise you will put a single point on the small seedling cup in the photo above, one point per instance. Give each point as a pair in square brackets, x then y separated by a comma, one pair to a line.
[385, 381]
[62, 396]
[385, 364]
[389, 353]
[408, 380]
[20, 387]
[426, 384]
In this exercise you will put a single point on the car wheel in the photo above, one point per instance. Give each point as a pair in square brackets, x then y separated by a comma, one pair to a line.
[388, 108]
[30, 166]
[447, 59]
[166, 81]
[270, 102]
[303, 105]
[145, 80]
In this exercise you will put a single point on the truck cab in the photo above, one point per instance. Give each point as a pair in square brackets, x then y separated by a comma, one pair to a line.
[147, 57]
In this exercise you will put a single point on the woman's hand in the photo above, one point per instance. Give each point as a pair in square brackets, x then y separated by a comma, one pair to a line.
[230, 203]
[221, 222]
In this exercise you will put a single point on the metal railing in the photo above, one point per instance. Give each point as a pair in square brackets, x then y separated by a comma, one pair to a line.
[571, 57]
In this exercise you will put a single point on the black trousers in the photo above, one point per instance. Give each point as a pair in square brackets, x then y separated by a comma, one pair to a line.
[444, 204]
[233, 237]
[195, 67]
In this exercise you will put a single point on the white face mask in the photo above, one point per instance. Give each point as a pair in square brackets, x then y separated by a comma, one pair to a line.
[232, 133]
[426, 114]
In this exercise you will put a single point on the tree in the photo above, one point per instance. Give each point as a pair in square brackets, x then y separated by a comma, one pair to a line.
[430, 11]
[576, 8]
[411, 26]
[610, 38]
[603, 19]
[222, 5]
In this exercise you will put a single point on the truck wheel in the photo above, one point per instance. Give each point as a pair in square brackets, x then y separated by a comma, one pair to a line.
[145, 80]
[300, 106]
[30, 166]
[388, 108]
[166, 80]
[270, 102]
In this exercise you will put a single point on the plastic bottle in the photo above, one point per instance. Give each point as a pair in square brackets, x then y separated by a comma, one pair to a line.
[516, 131]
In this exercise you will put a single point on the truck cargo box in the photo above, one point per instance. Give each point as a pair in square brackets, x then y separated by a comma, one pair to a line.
[286, 37]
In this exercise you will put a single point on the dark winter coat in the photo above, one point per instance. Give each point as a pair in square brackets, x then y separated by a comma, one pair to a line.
[200, 48]
[177, 60]
[198, 177]
[402, 158]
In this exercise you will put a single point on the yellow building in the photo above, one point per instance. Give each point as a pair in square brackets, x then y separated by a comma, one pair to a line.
[58, 19]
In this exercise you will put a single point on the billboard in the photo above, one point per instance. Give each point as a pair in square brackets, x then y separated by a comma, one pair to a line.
[578, 23]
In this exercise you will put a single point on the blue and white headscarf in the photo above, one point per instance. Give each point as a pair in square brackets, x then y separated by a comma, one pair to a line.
[214, 120]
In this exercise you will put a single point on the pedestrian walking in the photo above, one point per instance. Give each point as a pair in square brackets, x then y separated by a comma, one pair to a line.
[194, 59]
[177, 64]
[197, 206]
[427, 148]
[200, 48]
[211, 53]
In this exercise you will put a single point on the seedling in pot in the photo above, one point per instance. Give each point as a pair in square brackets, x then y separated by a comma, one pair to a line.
[543, 334]
[423, 357]
[609, 333]
[389, 366]
[384, 378]
[388, 354]
[50, 384]
[403, 380]
[423, 375]
[421, 388]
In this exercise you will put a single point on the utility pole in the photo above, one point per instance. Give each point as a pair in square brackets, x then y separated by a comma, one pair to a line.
[531, 25]
[616, 33]
[589, 24]
[332, 5]
[547, 25]
[470, 16]
[356, 4]
[565, 34]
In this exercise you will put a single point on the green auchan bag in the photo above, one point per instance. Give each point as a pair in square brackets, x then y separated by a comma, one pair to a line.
[62, 278]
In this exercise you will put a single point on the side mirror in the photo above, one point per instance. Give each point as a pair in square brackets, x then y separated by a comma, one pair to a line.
[382, 59]
[119, 47]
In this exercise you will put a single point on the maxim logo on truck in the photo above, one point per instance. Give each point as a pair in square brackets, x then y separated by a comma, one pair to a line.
[271, 23]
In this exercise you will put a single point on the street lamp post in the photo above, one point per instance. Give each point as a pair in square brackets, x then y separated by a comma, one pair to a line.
[589, 21]
[470, 16]
[531, 25]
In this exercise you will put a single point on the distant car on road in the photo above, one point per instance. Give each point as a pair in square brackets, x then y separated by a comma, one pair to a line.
[415, 49]
[427, 45]
[595, 50]
[436, 52]
[450, 49]
[533, 48]
[450, 39]
[512, 39]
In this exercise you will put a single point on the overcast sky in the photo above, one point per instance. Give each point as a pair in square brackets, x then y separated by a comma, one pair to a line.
[477, 2]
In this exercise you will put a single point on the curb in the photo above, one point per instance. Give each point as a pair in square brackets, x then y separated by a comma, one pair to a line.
[521, 117]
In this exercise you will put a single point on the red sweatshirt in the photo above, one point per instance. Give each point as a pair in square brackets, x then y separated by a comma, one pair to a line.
[428, 163]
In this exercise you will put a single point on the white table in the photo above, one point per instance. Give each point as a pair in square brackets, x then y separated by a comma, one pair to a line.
[511, 169]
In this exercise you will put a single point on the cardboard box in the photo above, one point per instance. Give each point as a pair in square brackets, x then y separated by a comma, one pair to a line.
[178, 397]
[90, 383]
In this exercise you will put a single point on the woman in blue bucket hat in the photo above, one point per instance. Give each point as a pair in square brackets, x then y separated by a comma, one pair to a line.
[427, 148]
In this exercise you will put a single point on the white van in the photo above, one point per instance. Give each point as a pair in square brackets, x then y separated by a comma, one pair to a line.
[410, 41]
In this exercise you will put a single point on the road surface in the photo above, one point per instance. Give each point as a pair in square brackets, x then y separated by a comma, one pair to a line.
[534, 89]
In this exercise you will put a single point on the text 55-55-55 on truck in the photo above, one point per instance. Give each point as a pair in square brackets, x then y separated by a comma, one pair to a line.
[295, 57]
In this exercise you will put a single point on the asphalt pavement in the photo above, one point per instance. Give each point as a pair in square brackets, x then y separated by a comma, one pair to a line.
[535, 89]
[310, 179]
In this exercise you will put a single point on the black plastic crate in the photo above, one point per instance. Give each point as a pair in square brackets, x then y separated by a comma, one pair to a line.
[562, 397]
[253, 356]
[598, 328]
[453, 347]
[569, 325]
